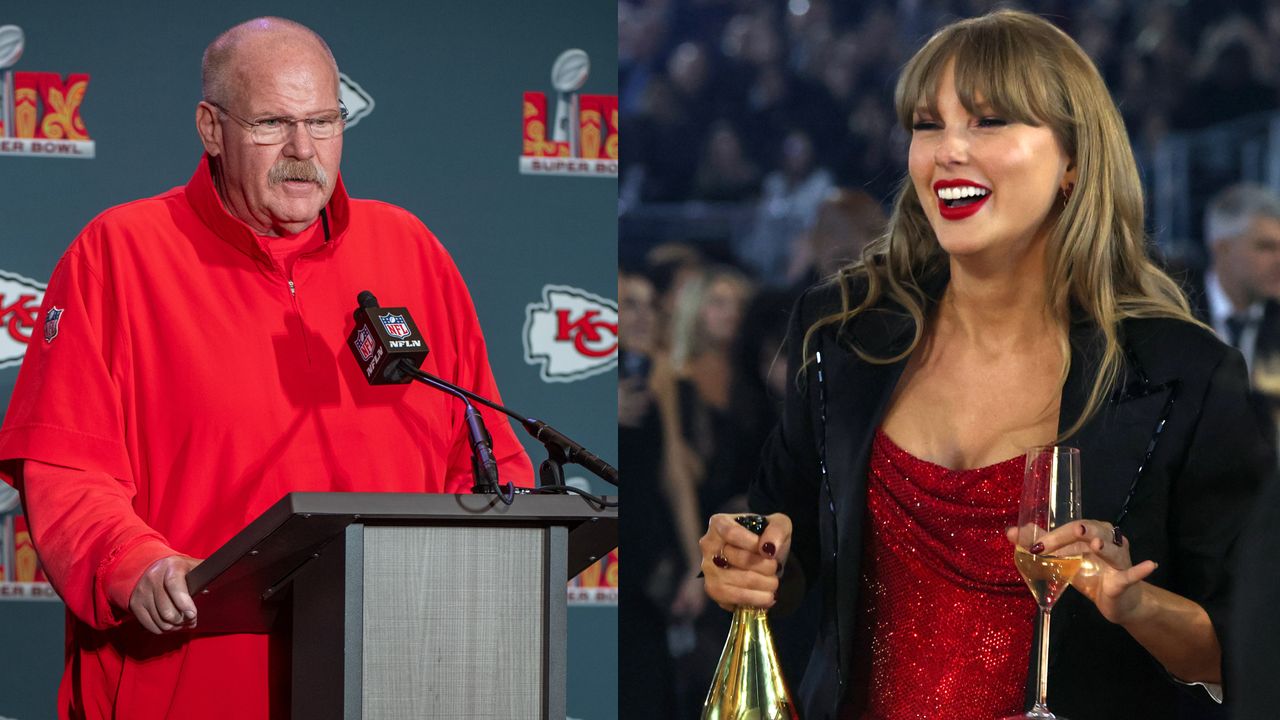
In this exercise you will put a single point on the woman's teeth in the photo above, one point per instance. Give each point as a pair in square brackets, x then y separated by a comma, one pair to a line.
[961, 196]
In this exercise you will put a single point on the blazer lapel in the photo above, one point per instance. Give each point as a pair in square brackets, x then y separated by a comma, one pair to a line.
[1115, 445]
[857, 395]
[1117, 441]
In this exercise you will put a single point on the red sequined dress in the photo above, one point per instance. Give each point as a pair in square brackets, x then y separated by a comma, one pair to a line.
[945, 622]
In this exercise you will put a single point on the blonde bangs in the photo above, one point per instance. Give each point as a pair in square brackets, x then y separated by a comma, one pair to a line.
[996, 72]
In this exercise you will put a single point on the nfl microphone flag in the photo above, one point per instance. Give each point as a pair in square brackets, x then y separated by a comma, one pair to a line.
[383, 336]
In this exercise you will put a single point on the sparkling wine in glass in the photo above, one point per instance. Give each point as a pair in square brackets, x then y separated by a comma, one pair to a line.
[1050, 500]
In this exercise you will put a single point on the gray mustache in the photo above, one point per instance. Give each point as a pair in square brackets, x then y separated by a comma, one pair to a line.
[297, 170]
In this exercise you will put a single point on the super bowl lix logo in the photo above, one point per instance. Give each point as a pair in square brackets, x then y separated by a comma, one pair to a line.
[39, 111]
[584, 136]
[572, 334]
[20, 300]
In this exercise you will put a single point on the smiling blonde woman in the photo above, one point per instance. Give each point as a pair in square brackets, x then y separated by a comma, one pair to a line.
[1010, 304]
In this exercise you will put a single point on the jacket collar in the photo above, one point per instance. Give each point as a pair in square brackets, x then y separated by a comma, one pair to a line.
[886, 329]
[208, 206]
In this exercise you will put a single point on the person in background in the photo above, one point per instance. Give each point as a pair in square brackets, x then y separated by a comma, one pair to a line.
[693, 396]
[847, 222]
[725, 174]
[789, 201]
[1239, 295]
[757, 380]
[1011, 304]
[652, 567]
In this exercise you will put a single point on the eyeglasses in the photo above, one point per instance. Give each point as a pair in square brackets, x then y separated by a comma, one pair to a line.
[275, 130]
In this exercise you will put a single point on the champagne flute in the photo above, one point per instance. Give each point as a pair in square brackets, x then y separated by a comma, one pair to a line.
[1050, 499]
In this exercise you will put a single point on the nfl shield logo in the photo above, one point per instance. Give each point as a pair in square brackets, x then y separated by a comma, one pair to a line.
[364, 343]
[395, 325]
[51, 319]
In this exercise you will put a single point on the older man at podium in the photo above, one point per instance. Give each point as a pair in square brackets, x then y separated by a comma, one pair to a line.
[191, 370]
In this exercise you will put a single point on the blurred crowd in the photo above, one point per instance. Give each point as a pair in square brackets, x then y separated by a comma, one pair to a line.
[783, 111]
[733, 100]
[701, 378]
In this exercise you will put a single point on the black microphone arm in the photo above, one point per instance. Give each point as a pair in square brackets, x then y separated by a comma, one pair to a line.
[558, 445]
[478, 434]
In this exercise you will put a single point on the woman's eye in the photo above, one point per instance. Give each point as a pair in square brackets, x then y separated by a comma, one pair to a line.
[992, 122]
[924, 125]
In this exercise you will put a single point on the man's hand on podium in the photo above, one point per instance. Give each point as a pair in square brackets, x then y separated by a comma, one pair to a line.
[160, 600]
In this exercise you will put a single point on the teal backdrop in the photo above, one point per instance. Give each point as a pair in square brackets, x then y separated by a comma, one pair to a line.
[443, 140]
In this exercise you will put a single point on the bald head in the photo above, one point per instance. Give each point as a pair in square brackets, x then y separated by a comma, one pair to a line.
[274, 75]
[246, 48]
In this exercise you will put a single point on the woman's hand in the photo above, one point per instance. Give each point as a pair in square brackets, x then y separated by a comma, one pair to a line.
[742, 568]
[1108, 578]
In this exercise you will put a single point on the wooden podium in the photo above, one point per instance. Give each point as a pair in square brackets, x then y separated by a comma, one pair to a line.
[405, 605]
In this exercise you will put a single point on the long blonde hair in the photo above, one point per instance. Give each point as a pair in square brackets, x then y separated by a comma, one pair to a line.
[1028, 71]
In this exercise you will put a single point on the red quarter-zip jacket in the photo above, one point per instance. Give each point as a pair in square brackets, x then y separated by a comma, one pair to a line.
[182, 381]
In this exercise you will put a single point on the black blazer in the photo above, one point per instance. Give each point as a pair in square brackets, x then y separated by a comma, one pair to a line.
[1174, 458]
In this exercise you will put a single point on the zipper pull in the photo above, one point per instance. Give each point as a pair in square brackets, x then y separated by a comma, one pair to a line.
[292, 290]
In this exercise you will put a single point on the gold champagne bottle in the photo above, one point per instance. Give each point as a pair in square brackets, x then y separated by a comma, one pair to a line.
[748, 683]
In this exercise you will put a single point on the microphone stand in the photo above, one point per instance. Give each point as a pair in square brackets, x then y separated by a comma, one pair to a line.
[560, 449]
[484, 468]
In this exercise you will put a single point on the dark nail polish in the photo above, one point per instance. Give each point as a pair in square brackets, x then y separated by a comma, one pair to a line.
[721, 562]
[769, 549]
[1037, 548]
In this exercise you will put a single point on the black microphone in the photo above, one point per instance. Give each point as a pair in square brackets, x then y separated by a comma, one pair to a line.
[382, 337]
[390, 349]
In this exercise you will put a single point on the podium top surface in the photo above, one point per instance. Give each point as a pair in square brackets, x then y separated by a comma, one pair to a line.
[414, 507]
[260, 558]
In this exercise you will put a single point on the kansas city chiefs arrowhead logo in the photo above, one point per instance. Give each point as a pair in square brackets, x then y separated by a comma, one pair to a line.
[20, 300]
[572, 334]
[354, 98]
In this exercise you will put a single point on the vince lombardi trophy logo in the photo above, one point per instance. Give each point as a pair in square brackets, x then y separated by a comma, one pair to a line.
[568, 75]
[11, 44]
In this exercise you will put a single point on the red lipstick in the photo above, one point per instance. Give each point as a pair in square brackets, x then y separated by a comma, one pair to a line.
[963, 211]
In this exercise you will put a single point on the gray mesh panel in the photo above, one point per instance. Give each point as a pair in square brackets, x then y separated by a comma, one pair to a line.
[467, 595]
